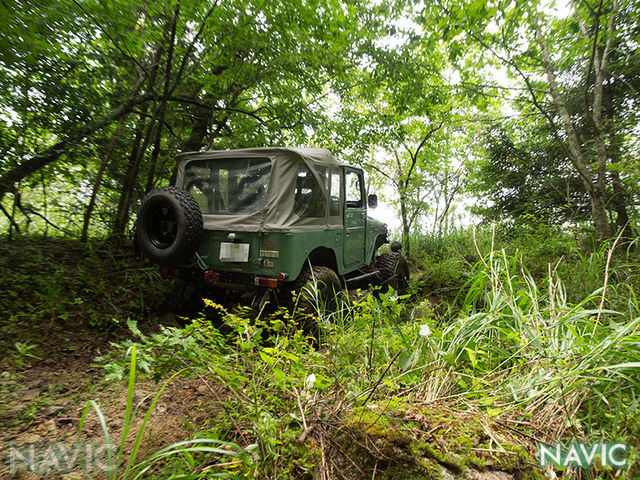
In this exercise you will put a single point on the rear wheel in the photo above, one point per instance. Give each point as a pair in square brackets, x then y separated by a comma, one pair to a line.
[318, 291]
[393, 271]
[186, 298]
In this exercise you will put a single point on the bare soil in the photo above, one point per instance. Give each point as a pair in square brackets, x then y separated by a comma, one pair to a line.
[42, 403]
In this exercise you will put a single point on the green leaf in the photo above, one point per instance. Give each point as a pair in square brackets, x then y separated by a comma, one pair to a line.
[472, 357]
[266, 358]
[322, 382]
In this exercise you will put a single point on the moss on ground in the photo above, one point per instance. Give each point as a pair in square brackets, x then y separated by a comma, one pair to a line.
[403, 441]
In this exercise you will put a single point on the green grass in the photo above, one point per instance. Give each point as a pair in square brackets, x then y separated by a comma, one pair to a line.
[502, 342]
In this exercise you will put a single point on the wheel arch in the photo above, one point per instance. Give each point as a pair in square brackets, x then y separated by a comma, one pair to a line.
[323, 257]
[378, 241]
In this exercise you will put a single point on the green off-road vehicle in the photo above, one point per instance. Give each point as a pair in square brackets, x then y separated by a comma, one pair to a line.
[259, 224]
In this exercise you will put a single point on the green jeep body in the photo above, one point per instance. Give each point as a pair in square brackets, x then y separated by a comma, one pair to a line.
[264, 216]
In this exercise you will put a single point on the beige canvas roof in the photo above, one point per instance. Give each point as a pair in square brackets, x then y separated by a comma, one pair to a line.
[277, 215]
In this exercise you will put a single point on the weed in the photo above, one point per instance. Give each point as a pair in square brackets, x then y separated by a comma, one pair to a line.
[24, 350]
[188, 451]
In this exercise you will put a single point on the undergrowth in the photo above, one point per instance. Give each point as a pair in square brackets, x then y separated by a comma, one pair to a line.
[63, 293]
[518, 355]
[500, 345]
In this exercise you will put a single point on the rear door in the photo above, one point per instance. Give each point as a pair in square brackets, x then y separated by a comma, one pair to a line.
[355, 215]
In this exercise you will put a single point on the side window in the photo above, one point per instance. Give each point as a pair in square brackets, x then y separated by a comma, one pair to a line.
[336, 190]
[323, 173]
[353, 181]
[309, 201]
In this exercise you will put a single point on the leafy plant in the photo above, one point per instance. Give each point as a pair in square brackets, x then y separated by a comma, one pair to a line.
[132, 468]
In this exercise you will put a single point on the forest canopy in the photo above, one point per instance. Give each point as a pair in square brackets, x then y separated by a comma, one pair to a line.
[519, 108]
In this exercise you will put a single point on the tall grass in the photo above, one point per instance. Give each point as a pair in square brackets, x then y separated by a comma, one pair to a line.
[530, 348]
[126, 464]
[539, 352]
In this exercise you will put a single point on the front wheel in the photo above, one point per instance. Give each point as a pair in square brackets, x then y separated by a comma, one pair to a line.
[393, 271]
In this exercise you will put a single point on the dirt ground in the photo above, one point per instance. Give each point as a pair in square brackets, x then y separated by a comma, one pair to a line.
[41, 405]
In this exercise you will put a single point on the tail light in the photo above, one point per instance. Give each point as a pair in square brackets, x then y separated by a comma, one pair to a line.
[211, 277]
[168, 271]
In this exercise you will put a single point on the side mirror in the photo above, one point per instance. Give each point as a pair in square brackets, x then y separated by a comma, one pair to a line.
[372, 200]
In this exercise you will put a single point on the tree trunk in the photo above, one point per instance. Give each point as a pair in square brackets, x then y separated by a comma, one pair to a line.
[406, 240]
[12, 222]
[98, 181]
[199, 129]
[165, 98]
[131, 177]
[137, 154]
[619, 198]
[593, 186]
[602, 230]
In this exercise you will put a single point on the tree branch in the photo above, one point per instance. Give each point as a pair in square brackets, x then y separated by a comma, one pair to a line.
[12, 222]
[381, 172]
[189, 51]
[51, 154]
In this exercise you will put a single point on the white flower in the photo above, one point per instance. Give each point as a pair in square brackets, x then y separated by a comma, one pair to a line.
[310, 381]
[425, 331]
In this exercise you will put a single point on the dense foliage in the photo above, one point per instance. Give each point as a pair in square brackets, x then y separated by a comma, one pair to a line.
[523, 115]
[440, 103]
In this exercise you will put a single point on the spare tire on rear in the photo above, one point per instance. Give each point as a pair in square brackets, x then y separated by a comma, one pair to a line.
[169, 226]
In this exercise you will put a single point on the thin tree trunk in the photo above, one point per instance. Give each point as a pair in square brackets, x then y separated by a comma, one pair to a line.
[137, 154]
[402, 185]
[619, 198]
[593, 187]
[163, 105]
[98, 181]
[199, 129]
[13, 223]
[406, 240]
[131, 178]
[44, 202]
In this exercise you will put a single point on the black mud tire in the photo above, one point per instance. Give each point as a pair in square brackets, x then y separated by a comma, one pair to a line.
[393, 271]
[185, 299]
[169, 226]
[307, 307]
[328, 285]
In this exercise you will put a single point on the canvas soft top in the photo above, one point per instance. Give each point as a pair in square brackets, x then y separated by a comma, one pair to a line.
[278, 212]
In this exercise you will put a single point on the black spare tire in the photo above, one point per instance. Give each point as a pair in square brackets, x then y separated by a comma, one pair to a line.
[169, 226]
